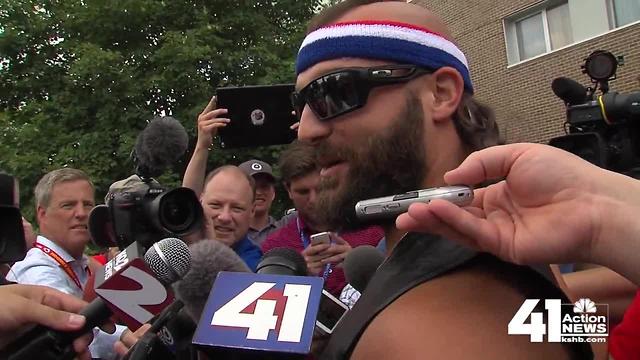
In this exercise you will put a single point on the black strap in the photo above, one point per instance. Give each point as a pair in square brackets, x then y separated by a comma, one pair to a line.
[414, 260]
[418, 258]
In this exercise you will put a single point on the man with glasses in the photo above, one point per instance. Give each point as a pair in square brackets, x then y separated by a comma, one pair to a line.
[386, 98]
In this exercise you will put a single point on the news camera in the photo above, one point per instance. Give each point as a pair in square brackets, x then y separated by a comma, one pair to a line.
[602, 129]
[139, 208]
[12, 244]
[152, 212]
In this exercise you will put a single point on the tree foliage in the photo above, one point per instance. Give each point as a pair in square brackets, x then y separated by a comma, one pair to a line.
[80, 79]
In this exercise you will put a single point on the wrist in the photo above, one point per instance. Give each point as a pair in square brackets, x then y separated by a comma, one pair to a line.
[203, 147]
[616, 244]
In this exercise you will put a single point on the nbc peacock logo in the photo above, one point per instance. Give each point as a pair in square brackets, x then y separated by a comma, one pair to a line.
[584, 306]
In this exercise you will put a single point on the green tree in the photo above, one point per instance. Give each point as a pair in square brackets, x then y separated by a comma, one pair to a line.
[80, 79]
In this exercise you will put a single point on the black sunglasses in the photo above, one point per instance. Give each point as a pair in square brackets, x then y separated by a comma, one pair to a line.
[346, 90]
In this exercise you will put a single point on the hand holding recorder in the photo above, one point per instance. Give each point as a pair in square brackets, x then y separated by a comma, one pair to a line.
[551, 207]
[26, 305]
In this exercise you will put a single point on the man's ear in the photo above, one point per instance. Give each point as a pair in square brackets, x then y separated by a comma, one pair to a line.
[448, 87]
[40, 213]
[287, 187]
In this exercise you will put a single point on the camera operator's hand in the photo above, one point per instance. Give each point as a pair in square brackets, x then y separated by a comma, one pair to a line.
[551, 207]
[209, 121]
[26, 305]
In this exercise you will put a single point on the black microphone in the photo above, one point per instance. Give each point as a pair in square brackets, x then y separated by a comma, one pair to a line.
[360, 265]
[169, 336]
[282, 261]
[159, 146]
[44, 343]
[571, 91]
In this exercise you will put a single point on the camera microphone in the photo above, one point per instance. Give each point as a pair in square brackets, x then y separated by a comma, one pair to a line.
[159, 146]
[360, 265]
[570, 91]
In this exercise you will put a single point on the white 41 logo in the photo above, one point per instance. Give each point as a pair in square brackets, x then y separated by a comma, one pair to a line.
[536, 327]
[263, 318]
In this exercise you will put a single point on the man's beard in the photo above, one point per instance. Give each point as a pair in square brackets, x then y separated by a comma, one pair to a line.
[392, 162]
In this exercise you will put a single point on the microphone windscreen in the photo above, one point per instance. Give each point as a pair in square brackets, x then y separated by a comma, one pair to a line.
[571, 91]
[282, 261]
[360, 265]
[208, 258]
[169, 259]
[160, 145]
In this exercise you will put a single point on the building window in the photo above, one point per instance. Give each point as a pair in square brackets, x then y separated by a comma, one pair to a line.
[540, 30]
[623, 12]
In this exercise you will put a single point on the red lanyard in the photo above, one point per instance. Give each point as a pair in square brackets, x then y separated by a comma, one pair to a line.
[63, 264]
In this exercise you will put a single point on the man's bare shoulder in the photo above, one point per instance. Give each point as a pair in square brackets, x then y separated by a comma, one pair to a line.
[463, 314]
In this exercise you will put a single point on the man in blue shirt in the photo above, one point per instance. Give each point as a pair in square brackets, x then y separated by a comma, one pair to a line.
[228, 201]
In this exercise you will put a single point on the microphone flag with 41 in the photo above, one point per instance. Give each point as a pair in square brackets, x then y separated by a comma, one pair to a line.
[248, 312]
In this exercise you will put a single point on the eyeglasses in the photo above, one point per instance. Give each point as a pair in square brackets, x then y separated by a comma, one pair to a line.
[346, 90]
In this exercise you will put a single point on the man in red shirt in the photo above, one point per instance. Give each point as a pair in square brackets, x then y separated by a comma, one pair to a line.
[300, 173]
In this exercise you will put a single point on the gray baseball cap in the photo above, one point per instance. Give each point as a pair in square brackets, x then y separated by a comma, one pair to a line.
[254, 167]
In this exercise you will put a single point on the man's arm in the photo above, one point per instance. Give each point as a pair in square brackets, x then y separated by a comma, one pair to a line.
[195, 172]
[208, 124]
[450, 318]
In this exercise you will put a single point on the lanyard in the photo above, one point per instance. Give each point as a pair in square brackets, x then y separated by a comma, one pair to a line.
[63, 264]
[305, 242]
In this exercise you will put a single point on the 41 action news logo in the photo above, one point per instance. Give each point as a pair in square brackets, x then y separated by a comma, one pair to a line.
[565, 322]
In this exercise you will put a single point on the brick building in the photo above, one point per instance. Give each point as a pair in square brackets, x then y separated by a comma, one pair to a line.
[517, 47]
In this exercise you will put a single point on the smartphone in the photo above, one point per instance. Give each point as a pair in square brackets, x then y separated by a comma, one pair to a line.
[321, 238]
[330, 313]
[389, 207]
[260, 115]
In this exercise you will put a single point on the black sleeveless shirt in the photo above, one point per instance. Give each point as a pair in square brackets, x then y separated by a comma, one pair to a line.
[418, 258]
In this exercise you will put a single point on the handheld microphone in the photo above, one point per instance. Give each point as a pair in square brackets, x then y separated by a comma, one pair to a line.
[135, 289]
[360, 265]
[264, 315]
[159, 146]
[570, 91]
[128, 271]
[208, 258]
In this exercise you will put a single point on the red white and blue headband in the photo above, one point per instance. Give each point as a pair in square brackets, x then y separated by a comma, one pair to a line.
[382, 40]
